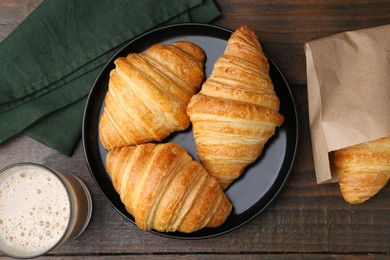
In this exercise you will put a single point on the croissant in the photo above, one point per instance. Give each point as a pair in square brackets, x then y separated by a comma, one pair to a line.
[164, 189]
[363, 169]
[149, 92]
[236, 111]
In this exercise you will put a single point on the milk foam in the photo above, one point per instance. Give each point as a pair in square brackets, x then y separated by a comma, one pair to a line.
[34, 210]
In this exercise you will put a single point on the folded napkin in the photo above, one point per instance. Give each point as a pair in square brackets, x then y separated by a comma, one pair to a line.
[50, 61]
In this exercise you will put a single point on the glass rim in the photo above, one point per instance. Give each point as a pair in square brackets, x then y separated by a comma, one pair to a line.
[63, 235]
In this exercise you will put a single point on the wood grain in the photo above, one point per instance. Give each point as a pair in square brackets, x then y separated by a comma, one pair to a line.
[305, 220]
[305, 217]
[285, 26]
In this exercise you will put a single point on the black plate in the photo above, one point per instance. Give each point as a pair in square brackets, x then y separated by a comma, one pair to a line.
[260, 182]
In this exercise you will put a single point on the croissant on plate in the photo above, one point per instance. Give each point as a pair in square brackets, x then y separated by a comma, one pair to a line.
[236, 111]
[363, 169]
[149, 92]
[164, 189]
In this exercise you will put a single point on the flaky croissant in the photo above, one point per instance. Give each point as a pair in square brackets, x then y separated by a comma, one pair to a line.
[236, 111]
[363, 169]
[149, 92]
[164, 189]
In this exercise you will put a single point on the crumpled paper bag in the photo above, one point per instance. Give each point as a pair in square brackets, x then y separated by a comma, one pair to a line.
[348, 80]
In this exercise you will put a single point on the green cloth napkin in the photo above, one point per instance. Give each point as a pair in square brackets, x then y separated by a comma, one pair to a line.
[50, 61]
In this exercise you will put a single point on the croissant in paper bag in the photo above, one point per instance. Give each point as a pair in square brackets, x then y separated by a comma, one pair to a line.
[236, 111]
[164, 189]
[149, 92]
[363, 169]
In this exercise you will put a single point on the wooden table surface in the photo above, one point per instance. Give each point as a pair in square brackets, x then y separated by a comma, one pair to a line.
[306, 220]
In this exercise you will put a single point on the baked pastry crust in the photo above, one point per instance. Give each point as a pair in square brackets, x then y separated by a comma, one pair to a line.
[236, 111]
[149, 92]
[363, 169]
[164, 189]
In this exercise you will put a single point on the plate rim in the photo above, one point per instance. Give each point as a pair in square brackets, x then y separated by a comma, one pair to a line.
[274, 194]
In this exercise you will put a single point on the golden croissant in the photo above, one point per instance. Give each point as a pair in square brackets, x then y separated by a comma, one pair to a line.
[149, 92]
[236, 111]
[363, 169]
[164, 189]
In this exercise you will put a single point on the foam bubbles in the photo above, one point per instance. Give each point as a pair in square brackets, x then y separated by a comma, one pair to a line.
[34, 210]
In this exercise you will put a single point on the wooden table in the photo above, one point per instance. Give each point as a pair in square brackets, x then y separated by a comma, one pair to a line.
[306, 220]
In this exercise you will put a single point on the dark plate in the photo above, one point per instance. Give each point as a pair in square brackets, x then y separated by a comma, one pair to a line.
[260, 182]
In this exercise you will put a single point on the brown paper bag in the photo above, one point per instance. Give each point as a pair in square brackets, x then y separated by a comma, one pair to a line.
[348, 78]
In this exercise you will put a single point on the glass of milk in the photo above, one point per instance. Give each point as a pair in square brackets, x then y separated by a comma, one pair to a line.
[40, 209]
